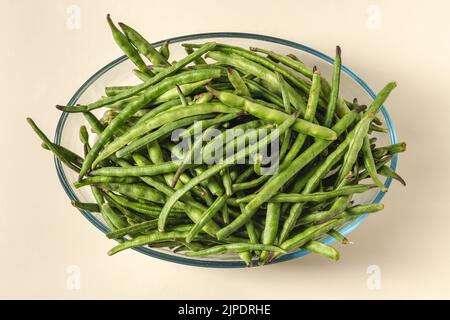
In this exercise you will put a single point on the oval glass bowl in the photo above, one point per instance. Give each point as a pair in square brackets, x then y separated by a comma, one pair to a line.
[119, 72]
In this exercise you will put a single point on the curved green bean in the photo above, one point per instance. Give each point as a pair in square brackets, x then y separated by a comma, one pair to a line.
[234, 248]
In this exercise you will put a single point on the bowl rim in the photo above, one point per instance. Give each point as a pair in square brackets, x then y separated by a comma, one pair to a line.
[198, 36]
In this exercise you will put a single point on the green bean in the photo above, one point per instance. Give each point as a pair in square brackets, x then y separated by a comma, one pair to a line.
[249, 228]
[278, 180]
[250, 184]
[126, 46]
[199, 60]
[98, 196]
[237, 82]
[211, 184]
[339, 236]
[288, 60]
[322, 249]
[209, 122]
[374, 128]
[164, 50]
[203, 97]
[311, 233]
[171, 104]
[391, 149]
[234, 248]
[206, 217]
[155, 135]
[309, 115]
[338, 207]
[154, 80]
[217, 168]
[143, 76]
[116, 220]
[155, 122]
[70, 156]
[258, 70]
[103, 179]
[113, 90]
[140, 227]
[144, 46]
[227, 182]
[136, 171]
[341, 105]
[95, 124]
[271, 115]
[131, 216]
[134, 191]
[258, 90]
[270, 229]
[363, 209]
[257, 162]
[106, 219]
[225, 214]
[147, 239]
[186, 89]
[388, 172]
[244, 175]
[334, 89]
[56, 151]
[141, 160]
[147, 210]
[92, 207]
[84, 135]
[354, 147]
[181, 96]
[313, 197]
[369, 164]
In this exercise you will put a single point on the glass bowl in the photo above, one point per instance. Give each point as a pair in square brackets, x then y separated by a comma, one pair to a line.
[118, 72]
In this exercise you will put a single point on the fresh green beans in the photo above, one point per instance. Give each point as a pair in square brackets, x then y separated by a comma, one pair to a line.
[272, 155]
[172, 115]
[234, 248]
[52, 147]
[271, 115]
[217, 168]
[314, 197]
[354, 147]
[136, 171]
[274, 184]
[322, 249]
[134, 191]
[144, 46]
[155, 135]
[334, 88]
[104, 179]
[270, 229]
[92, 207]
[207, 216]
[126, 46]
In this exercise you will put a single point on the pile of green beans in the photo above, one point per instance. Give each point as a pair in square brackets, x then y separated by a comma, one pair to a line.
[198, 209]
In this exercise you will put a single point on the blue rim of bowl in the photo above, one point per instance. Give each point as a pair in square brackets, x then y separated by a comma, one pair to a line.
[208, 263]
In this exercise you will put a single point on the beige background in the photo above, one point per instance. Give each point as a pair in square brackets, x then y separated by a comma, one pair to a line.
[44, 62]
